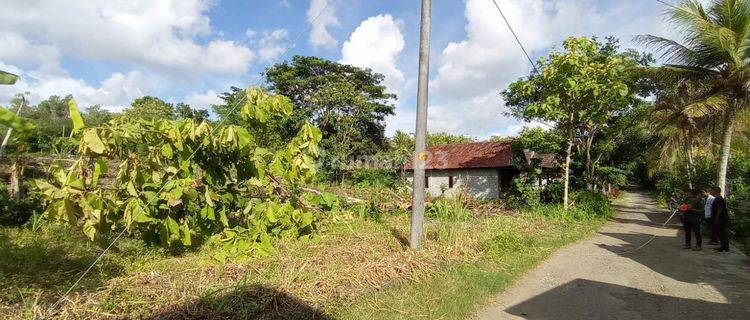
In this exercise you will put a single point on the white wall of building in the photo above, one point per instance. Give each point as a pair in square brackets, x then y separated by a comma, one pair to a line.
[479, 183]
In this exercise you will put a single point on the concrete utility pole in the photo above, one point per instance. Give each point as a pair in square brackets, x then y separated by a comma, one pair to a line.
[419, 156]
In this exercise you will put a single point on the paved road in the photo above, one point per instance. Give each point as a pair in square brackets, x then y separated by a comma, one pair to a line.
[604, 278]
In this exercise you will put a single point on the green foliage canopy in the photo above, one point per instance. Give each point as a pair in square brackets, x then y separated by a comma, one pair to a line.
[577, 88]
[347, 103]
[582, 84]
[182, 179]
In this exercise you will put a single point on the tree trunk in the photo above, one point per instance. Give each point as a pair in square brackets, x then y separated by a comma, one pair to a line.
[589, 165]
[16, 173]
[726, 149]
[690, 165]
[566, 173]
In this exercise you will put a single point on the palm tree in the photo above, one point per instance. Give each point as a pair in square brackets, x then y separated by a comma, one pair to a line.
[715, 55]
[675, 130]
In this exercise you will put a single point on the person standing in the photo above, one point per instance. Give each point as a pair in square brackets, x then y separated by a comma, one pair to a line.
[720, 218]
[692, 213]
[707, 221]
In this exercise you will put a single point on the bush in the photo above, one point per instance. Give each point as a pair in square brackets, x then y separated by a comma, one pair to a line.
[585, 205]
[448, 209]
[368, 211]
[552, 193]
[17, 212]
[591, 204]
[374, 177]
[524, 192]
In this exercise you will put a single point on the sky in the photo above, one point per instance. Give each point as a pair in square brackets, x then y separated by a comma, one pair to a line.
[109, 52]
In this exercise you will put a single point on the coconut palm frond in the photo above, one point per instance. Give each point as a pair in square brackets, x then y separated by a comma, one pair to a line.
[712, 105]
[668, 49]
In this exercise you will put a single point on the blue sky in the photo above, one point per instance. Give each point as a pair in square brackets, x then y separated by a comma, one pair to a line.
[110, 52]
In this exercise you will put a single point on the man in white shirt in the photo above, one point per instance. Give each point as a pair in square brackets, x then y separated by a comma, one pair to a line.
[709, 201]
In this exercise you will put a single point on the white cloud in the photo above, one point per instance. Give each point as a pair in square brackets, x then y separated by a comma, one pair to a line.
[376, 44]
[203, 100]
[515, 129]
[471, 73]
[273, 44]
[161, 34]
[114, 92]
[250, 33]
[474, 116]
[321, 14]
[14, 47]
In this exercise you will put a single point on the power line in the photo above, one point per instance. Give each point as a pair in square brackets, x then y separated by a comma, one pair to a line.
[533, 65]
[119, 235]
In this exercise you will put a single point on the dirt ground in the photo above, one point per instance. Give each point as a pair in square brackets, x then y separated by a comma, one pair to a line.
[605, 277]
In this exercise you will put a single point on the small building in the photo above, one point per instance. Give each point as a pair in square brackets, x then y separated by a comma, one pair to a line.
[483, 169]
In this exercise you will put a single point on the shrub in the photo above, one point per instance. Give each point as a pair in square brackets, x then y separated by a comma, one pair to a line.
[374, 177]
[552, 193]
[16, 212]
[368, 211]
[591, 204]
[524, 192]
[448, 209]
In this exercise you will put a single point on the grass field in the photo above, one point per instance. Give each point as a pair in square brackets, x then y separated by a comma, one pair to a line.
[354, 268]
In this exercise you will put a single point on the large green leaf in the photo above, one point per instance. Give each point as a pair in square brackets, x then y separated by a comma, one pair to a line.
[75, 115]
[7, 77]
[9, 119]
[93, 141]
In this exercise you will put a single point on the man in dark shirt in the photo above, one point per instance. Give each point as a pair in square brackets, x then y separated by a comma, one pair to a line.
[720, 217]
[692, 212]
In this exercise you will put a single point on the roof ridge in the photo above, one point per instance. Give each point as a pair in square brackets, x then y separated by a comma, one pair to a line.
[468, 143]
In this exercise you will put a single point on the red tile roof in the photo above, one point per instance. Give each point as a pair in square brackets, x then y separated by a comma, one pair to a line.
[546, 160]
[487, 154]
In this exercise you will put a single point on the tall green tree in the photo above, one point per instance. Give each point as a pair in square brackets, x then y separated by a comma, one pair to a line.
[713, 53]
[149, 108]
[347, 103]
[540, 140]
[579, 86]
[51, 117]
[184, 111]
[96, 115]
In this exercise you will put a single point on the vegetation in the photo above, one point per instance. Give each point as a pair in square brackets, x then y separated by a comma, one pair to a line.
[374, 275]
[292, 203]
[710, 63]
[578, 88]
[190, 181]
[7, 78]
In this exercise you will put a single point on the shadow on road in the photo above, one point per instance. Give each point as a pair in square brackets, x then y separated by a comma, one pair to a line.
[586, 299]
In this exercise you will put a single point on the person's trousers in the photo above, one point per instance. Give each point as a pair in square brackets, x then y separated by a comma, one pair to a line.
[721, 229]
[711, 229]
[692, 227]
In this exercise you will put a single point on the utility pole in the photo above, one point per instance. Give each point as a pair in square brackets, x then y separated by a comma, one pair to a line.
[419, 156]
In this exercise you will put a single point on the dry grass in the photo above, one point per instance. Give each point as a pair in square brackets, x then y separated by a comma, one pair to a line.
[349, 261]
